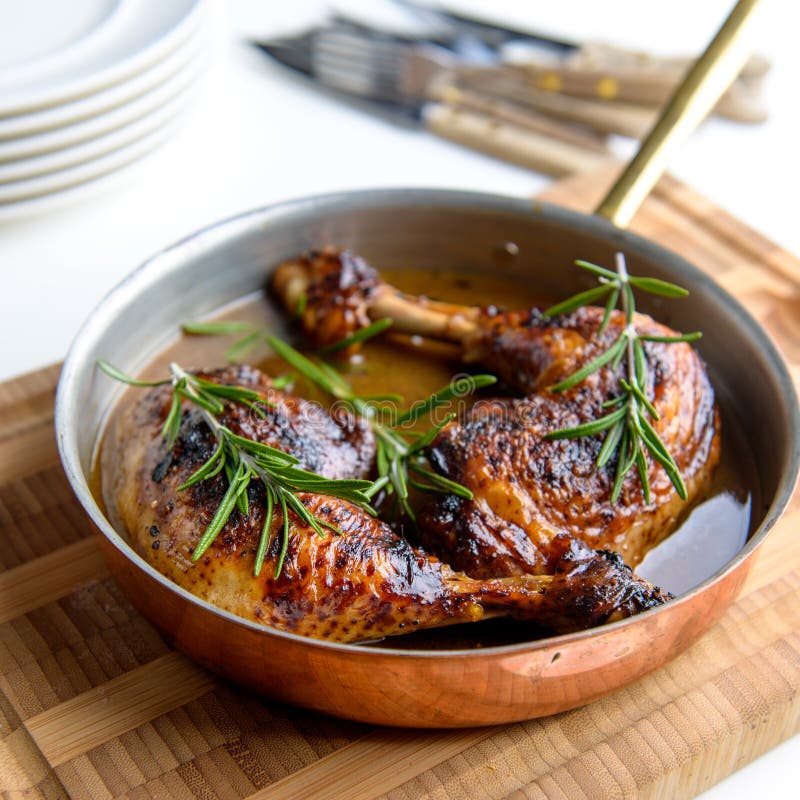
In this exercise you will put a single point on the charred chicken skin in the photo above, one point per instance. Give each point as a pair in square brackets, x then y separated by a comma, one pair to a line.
[528, 489]
[364, 584]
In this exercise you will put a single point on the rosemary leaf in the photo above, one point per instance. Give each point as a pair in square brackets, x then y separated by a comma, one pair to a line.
[660, 453]
[625, 461]
[613, 401]
[611, 304]
[425, 440]
[207, 401]
[172, 424]
[439, 483]
[610, 443]
[409, 512]
[653, 440]
[283, 381]
[259, 449]
[580, 375]
[119, 375]
[242, 500]
[263, 542]
[223, 512]
[588, 428]
[629, 303]
[603, 272]
[641, 467]
[578, 300]
[305, 366]
[641, 396]
[397, 475]
[381, 459]
[293, 501]
[207, 470]
[243, 345]
[236, 393]
[422, 487]
[215, 327]
[621, 354]
[361, 335]
[285, 537]
[377, 485]
[445, 395]
[684, 337]
[656, 286]
[640, 363]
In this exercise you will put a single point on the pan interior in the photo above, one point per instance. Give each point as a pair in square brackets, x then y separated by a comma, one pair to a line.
[423, 231]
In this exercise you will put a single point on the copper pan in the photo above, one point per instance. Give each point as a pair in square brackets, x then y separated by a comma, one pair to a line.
[429, 229]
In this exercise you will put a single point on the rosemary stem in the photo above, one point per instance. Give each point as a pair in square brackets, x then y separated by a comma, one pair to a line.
[630, 333]
[178, 373]
[367, 411]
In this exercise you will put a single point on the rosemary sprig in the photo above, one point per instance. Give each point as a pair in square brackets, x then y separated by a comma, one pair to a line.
[400, 457]
[245, 462]
[629, 432]
[252, 336]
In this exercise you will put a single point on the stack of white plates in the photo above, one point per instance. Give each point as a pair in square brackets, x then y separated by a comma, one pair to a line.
[87, 87]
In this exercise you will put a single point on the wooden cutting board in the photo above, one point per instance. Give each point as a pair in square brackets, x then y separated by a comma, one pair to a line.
[94, 704]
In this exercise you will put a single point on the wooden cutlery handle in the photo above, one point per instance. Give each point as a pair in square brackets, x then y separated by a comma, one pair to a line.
[646, 87]
[503, 109]
[605, 116]
[600, 55]
[510, 142]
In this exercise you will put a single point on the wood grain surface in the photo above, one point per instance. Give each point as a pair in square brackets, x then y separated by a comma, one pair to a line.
[93, 704]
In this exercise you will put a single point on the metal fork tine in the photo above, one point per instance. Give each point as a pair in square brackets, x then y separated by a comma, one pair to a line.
[365, 66]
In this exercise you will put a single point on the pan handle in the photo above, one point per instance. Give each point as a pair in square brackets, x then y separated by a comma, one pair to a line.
[691, 102]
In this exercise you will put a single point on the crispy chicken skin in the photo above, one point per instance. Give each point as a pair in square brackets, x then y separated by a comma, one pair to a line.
[364, 584]
[334, 302]
[528, 489]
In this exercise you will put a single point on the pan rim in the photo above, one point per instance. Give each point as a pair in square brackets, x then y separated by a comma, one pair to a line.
[171, 258]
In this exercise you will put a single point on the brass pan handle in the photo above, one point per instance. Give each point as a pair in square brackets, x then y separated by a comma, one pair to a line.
[691, 102]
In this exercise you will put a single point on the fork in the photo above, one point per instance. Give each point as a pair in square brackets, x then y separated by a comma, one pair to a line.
[419, 81]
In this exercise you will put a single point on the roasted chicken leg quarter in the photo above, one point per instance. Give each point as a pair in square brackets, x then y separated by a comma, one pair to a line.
[364, 583]
[528, 489]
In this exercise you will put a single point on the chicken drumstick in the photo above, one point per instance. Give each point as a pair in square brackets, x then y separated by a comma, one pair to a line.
[363, 584]
[527, 489]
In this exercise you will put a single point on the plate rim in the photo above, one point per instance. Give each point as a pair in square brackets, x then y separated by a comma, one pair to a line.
[62, 137]
[119, 72]
[107, 143]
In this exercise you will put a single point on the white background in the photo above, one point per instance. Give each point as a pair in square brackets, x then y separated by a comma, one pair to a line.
[256, 136]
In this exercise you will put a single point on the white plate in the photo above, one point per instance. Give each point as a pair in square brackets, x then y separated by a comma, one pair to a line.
[15, 129]
[36, 32]
[22, 170]
[23, 191]
[71, 135]
[102, 186]
[136, 35]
